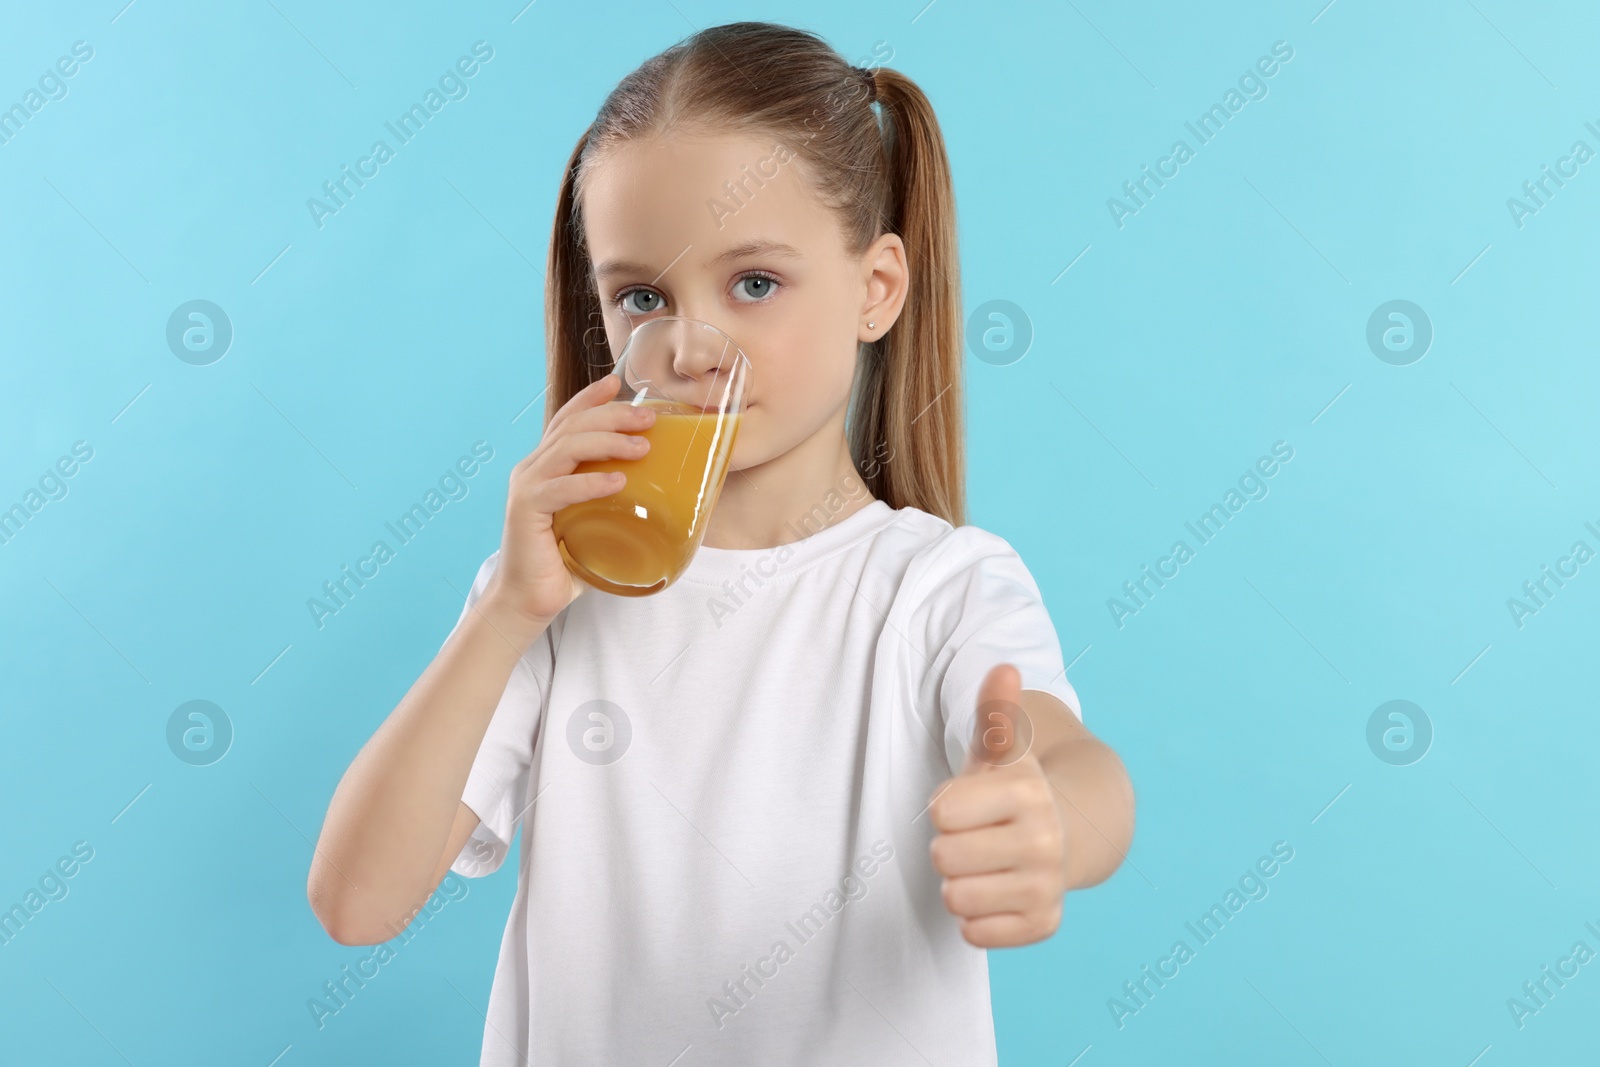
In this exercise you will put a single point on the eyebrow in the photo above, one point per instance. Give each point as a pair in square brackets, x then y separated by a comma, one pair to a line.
[749, 248]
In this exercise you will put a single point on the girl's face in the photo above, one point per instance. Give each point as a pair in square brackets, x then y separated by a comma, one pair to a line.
[765, 263]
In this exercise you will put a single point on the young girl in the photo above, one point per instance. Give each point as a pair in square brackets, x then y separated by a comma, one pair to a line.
[774, 813]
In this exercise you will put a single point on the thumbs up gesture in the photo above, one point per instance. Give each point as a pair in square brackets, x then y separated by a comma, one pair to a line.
[1002, 841]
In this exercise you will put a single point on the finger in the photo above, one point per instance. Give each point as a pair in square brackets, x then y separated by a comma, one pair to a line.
[1010, 929]
[988, 849]
[974, 800]
[597, 392]
[624, 424]
[612, 415]
[992, 894]
[593, 395]
[553, 495]
[1001, 732]
[587, 447]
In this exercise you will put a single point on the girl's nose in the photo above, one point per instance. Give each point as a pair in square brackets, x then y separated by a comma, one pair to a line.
[698, 351]
[707, 369]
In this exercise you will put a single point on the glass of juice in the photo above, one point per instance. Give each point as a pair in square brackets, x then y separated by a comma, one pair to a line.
[638, 540]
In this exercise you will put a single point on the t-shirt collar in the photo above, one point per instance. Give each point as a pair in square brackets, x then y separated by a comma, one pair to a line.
[715, 565]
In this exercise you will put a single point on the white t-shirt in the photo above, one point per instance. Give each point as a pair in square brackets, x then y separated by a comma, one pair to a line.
[722, 792]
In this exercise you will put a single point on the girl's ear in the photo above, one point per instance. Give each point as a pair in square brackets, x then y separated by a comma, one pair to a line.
[886, 281]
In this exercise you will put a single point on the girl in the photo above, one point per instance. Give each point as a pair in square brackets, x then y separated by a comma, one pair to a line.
[753, 829]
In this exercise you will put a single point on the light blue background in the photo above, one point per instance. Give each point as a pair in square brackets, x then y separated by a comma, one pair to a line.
[1226, 315]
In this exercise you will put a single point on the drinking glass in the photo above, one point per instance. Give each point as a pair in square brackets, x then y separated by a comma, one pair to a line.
[638, 540]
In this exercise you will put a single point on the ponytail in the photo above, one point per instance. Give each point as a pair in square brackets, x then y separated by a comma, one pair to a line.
[907, 437]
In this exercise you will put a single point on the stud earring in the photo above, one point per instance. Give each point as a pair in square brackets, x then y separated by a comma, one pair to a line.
[870, 325]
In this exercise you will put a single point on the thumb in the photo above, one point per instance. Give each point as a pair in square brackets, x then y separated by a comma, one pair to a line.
[1002, 731]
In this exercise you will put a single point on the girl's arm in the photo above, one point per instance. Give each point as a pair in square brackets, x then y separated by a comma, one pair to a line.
[1091, 789]
[396, 821]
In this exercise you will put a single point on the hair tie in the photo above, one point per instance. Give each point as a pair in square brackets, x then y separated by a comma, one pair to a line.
[872, 85]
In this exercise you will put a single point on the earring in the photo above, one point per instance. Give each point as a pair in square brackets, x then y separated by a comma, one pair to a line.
[870, 325]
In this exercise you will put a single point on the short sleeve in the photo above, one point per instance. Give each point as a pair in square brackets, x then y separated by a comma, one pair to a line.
[497, 785]
[981, 607]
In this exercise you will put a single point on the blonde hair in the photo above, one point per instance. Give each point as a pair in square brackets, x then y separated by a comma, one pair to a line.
[880, 169]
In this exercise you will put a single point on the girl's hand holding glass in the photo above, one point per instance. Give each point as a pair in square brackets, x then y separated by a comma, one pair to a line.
[532, 581]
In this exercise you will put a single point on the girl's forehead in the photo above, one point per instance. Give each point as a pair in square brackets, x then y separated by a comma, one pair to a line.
[656, 196]
[690, 155]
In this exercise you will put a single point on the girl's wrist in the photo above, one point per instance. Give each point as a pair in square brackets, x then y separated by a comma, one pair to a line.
[509, 620]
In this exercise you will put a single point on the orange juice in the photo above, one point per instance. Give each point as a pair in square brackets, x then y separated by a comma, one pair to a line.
[638, 540]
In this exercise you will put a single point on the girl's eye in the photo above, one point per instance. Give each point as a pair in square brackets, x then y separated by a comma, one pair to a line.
[757, 286]
[648, 295]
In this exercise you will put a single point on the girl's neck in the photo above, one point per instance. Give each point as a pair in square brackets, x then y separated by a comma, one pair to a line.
[812, 486]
